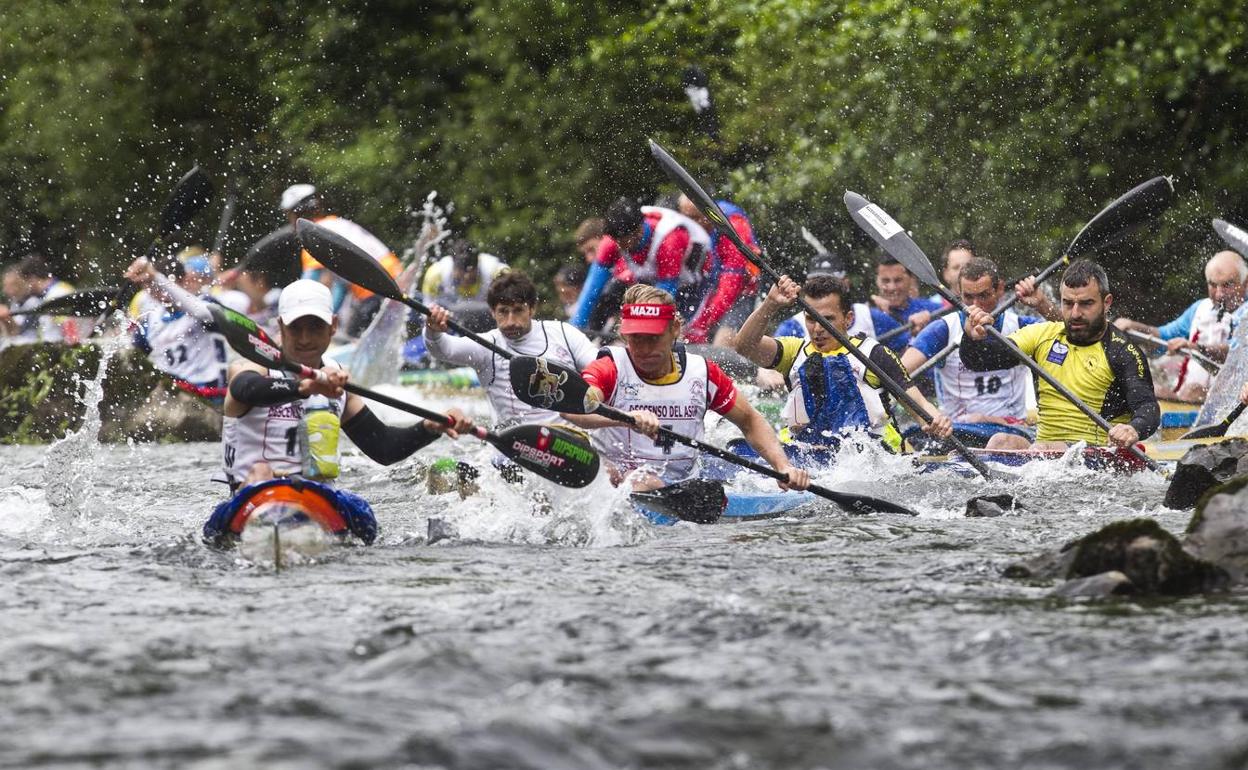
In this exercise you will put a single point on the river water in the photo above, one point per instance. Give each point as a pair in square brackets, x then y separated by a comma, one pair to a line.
[575, 635]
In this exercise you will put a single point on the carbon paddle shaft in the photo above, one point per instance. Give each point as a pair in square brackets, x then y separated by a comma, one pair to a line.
[690, 187]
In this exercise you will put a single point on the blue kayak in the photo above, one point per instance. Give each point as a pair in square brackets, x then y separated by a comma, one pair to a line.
[705, 501]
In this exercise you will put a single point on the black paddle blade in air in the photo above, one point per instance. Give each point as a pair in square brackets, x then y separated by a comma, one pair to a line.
[551, 452]
[248, 340]
[1129, 211]
[550, 385]
[193, 192]
[346, 259]
[891, 236]
[1216, 430]
[1235, 237]
[88, 302]
[701, 501]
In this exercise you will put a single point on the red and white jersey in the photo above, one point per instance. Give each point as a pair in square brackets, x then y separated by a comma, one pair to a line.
[677, 249]
[680, 401]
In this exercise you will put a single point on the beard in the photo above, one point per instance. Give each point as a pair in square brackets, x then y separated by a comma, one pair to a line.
[1089, 333]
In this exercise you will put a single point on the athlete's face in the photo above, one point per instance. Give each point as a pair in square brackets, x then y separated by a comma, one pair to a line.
[894, 284]
[652, 353]
[830, 308]
[306, 339]
[589, 249]
[983, 293]
[953, 265]
[1222, 280]
[1085, 311]
[15, 287]
[514, 320]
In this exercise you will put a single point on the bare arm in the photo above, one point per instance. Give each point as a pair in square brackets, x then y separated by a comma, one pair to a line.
[760, 436]
[913, 358]
[750, 341]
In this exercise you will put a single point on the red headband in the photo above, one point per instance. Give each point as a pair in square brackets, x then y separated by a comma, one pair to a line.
[646, 318]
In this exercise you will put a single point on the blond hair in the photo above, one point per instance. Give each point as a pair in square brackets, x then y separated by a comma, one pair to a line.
[645, 294]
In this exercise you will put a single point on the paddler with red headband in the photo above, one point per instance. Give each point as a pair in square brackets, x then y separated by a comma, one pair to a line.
[660, 385]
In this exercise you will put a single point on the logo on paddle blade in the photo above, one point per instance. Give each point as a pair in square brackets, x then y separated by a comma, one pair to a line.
[546, 386]
[543, 439]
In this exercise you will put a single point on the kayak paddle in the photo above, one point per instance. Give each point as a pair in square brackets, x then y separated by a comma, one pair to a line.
[1217, 430]
[88, 302]
[551, 452]
[701, 501]
[550, 385]
[689, 186]
[1159, 342]
[892, 237]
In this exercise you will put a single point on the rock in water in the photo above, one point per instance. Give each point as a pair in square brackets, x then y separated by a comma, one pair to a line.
[1112, 583]
[1149, 556]
[989, 506]
[1206, 466]
[1218, 531]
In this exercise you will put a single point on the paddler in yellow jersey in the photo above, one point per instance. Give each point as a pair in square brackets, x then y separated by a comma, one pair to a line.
[1093, 360]
[833, 396]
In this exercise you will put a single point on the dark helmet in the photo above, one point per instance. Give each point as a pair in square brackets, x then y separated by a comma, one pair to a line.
[623, 218]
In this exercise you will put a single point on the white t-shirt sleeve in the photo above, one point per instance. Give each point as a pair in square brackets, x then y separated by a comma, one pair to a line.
[583, 351]
[460, 351]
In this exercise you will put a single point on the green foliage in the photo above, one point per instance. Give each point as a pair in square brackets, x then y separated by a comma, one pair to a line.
[1009, 123]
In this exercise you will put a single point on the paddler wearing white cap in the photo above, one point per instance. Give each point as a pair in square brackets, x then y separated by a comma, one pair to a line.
[264, 409]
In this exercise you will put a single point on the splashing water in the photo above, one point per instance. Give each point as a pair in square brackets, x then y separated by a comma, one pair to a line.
[69, 465]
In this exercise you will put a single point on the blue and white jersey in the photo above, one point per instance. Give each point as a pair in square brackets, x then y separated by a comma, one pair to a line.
[999, 393]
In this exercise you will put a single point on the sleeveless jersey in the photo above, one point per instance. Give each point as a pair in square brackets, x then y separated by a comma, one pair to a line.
[699, 244]
[267, 434]
[1210, 326]
[999, 392]
[680, 406]
[439, 286]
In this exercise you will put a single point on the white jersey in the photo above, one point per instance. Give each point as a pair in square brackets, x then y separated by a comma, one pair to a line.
[680, 406]
[267, 434]
[181, 346]
[999, 393]
[863, 322]
[555, 340]
[438, 284]
[44, 328]
[691, 263]
[1210, 326]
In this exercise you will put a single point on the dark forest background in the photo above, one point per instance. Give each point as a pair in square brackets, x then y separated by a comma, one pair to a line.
[1009, 123]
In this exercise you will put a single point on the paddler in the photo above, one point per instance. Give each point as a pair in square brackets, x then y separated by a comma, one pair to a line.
[1206, 326]
[982, 403]
[730, 281]
[276, 425]
[1094, 361]
[832, 395]
[661, 384]
[512, 300]
[895, 285]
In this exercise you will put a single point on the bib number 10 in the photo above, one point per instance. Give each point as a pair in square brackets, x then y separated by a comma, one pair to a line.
[990, 385]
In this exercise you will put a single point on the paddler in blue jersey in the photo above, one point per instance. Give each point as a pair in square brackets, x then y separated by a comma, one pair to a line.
[832, 395]
[283, 432]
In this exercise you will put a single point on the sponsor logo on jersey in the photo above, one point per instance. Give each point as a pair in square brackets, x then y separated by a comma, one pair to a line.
[1057, 353]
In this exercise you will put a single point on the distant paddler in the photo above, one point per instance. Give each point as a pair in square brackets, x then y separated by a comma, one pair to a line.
[660, 385]
[278, 426]
[1205, 327]
[980, 404]
[832, 396]
[1091, 359]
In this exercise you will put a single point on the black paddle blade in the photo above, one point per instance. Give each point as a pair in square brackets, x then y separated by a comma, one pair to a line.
[1131, 210]
[550, 385]
[1235, 237]
[248, 339]
[551, 452]
[346, 259]
[88, 302]
[1216, 430]
[193, 192]
[861, 504]
[891, 236]
[701, 501]
[690, 187]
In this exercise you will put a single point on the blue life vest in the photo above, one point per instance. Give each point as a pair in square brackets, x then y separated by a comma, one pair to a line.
[832, 398]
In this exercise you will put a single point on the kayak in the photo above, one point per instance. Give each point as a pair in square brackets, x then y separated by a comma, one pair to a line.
[1177, 418]
[457, 379]
[289, 519]
[1100, 458]
[706, 501]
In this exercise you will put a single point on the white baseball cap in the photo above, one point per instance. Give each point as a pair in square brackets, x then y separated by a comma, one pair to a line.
[305, 297]
[294, 195]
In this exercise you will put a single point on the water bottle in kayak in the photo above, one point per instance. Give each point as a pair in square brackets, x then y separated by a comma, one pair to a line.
[318, 439]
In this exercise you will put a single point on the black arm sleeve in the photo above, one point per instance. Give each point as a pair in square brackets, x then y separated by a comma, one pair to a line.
[254, 389]
[987, 354]
[383, 443]
[1133, 386]
[887, 359]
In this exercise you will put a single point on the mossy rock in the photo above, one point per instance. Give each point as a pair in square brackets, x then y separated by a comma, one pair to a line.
[42, 387]
[1218, 531]
[1151, 558]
